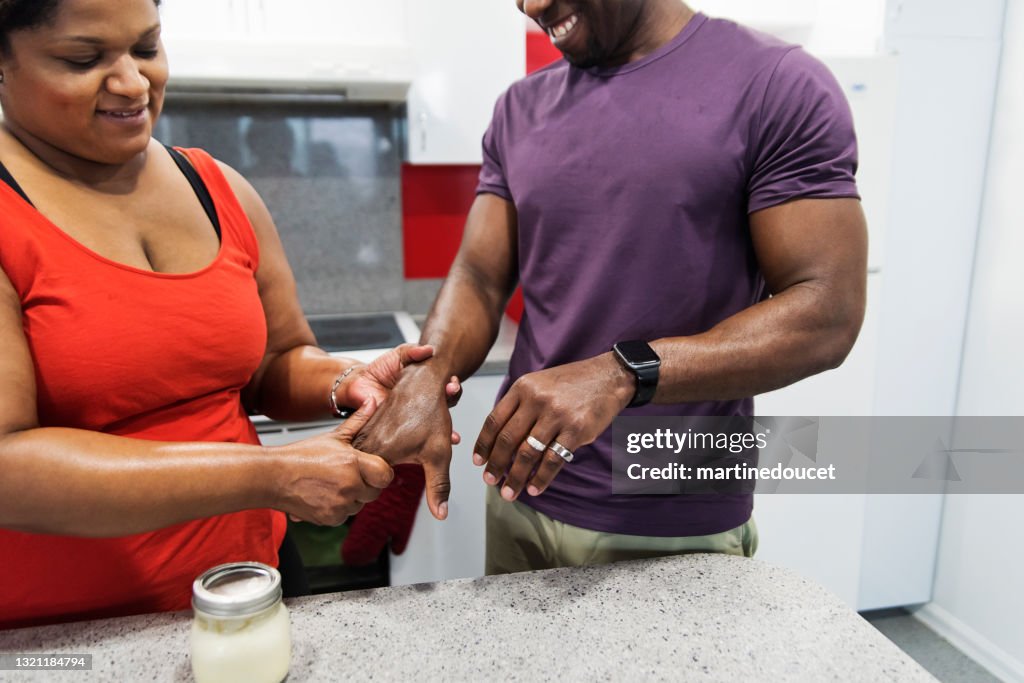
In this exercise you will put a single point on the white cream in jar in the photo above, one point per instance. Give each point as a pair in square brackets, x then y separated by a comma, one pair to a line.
[240, 631]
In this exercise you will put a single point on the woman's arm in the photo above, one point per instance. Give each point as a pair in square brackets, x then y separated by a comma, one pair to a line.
[82, 483]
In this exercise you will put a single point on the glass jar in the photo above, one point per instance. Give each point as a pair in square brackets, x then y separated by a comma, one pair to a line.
[240, 631]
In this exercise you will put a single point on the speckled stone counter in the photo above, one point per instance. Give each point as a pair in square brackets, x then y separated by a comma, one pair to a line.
[694, 618]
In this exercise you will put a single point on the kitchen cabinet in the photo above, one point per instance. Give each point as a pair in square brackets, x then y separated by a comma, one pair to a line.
[464, 57]
[358, 51]
[213, 20]
[341, 22]
[459, 58]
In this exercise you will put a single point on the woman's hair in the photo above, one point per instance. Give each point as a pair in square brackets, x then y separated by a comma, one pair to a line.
[17, 15]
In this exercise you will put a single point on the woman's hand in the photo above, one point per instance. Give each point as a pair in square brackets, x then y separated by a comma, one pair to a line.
[324, 479]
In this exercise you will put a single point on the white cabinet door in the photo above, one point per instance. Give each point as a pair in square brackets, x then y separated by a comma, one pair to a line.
[193, 30]
[339, 22]
[191, 20]
[464, 57]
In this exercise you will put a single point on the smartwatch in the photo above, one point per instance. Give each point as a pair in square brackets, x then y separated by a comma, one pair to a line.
[639, 358]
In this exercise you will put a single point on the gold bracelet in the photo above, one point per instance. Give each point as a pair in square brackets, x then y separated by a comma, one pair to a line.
[338, 412]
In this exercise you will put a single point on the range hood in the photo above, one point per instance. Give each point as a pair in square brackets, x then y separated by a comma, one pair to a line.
[242, 70]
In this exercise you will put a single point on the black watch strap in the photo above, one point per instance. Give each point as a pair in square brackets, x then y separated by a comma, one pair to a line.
[646, 385]
[639, 358]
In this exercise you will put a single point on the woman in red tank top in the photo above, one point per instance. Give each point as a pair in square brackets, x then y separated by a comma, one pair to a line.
[145, 305]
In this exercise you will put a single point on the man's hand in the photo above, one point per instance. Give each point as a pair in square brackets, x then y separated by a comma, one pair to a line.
[414, 426]
[571, 404]
[377, 379]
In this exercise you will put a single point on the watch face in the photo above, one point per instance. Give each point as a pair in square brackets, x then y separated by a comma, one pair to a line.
[637, 352]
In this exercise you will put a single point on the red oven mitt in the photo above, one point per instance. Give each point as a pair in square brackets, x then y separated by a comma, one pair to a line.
[390, 517]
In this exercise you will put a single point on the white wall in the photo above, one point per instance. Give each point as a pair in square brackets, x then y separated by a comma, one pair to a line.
[978, 600]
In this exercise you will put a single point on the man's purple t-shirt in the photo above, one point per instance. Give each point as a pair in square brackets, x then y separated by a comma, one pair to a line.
[633, 187]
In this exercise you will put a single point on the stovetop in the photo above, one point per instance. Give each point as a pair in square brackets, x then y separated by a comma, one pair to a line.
[354, 332]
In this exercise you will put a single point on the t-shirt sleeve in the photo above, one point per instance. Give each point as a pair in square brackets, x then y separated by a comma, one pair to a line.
[805, 145]
[492, 172]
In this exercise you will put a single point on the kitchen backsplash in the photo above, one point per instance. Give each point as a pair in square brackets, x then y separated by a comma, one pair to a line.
[330, 175]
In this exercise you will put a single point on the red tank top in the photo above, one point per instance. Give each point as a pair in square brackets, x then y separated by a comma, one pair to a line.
[140, 354]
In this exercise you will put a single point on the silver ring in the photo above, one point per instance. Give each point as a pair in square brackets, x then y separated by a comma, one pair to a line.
[536, 444]
[561, 451]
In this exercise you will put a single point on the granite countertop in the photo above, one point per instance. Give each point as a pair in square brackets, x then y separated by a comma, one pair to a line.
[692, 617]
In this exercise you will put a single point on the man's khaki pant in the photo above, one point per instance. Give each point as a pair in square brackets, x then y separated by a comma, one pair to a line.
[520, 539]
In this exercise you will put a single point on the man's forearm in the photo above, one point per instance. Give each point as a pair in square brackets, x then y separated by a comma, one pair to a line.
[463, 323]
[796, 334]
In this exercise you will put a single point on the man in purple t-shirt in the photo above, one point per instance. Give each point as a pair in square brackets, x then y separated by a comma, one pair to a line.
[650, 193]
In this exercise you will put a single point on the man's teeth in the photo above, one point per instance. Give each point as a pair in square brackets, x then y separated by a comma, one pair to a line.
[563, 28]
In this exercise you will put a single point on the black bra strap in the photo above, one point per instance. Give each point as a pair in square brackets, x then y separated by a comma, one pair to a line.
[186, 168]
[197, 186]
[6, 177]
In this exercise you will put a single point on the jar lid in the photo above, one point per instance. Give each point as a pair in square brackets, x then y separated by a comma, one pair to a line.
[236, 589]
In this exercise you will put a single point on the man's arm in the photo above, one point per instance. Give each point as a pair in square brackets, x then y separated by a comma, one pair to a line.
[414, 425]
[813, 254]
[463, 322]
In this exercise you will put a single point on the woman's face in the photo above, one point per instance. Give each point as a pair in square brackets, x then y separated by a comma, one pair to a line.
[91, 83]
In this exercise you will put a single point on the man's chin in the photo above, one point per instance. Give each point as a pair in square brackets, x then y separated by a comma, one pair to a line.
[582, 61]
[593, 56]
